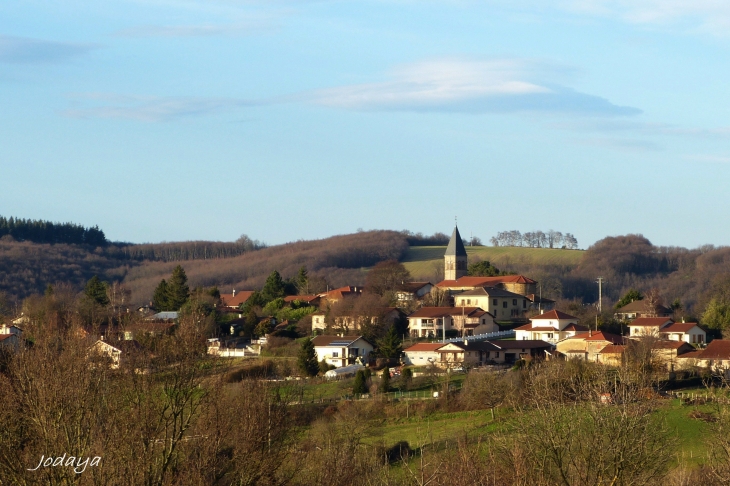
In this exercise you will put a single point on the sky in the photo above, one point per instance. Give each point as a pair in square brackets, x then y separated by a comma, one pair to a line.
[167, 120]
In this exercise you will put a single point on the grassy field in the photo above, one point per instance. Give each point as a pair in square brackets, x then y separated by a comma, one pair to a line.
[420, 260]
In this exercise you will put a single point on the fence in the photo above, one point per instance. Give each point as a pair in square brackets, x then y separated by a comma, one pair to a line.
[483, 337]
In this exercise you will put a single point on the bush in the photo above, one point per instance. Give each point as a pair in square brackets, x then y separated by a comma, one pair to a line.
[263, 369]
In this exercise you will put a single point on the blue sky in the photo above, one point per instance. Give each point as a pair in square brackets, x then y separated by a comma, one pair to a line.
[163, 120]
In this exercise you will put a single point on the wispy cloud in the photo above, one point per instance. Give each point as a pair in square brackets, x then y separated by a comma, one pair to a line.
[149, 108]
[457, 85]
[633, 127]
[248, 27]
[623, 144]
[24, 50]
[713, 159]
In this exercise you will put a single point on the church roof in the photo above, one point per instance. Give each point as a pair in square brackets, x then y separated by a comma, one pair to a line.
[456, 246]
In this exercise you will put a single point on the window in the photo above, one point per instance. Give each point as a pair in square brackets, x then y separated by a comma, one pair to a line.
[468, 301]
[496, 354]
[335, 354]
[484, 321]
[494, 302]
[524, 304]
[514, 301]
[504, 304]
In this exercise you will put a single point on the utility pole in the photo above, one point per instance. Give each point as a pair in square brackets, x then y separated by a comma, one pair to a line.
[600, 293]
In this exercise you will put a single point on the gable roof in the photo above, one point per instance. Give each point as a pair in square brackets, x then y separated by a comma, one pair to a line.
[717, 349]
[681, 327]
[423, 347]
[241, 297]
[650, 321]
[3, 337]
[304, 298]
[575, 328]
[485, 281]
[456, 246]
[339, 293]
[553, 314]
[412, 287]
[613, 349]
[336, 340]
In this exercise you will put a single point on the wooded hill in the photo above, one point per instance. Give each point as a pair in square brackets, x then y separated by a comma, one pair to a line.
[624, 262]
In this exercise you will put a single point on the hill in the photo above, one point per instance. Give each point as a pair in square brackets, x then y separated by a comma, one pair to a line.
[424, 262]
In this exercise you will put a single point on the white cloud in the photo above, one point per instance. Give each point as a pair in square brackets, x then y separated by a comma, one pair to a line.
[149, 108]
[459, 85]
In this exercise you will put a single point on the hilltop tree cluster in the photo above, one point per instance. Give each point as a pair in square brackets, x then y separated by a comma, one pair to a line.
[535, 239]
[39, 231]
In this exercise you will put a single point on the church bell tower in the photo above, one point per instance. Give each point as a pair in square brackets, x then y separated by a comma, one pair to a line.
[455, 257]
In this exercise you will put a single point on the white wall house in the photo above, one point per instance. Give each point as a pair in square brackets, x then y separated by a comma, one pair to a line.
[689, 332]
[422, 354]
[648, 326]
[342, 351]
[550, 327]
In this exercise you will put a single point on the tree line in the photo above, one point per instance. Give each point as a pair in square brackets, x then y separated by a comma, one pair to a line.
[535, 239]
[39, 231]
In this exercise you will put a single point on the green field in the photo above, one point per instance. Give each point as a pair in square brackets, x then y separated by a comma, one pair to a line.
[420, 260]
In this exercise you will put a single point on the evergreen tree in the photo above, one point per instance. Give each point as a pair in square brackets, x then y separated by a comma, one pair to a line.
[274, 287]
[406, 376]
[385, 381]
[302, 281]
[307, 359]
[390, 345]
[177, 289]
[161, 297]
[361, 383]
[96, 291]
[629, 297]
[482, 269]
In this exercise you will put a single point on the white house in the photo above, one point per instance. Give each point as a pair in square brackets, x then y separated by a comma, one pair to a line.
[412, 291]
[114, 351]
[342, 351]
[551, 327]
[466, 321]
[689, 332]
[422, 354]
[648, 326]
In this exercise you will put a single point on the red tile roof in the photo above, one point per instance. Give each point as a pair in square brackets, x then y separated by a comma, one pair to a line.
[554, 314]
[613, 349]
[717, 349]
[680, 327]
[234, 301]
[5, 336]
[604, 336]
[650, 321]
[575, 327]
[485, 281]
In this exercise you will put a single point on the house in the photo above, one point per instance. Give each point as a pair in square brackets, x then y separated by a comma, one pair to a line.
[612, 354]
[468, 353]
[422, 354]
[433, 321]
[511, 350]
[354, 322]
[641, 308]
[716, 357]
[10, 342]
[587, 345]
[412, 291]
[540, 303]
[137, 329]
[502, 304]
[333, 296]
[648, 326]
[114, 351]
[518, 284]
[342, 351]
[234, 300]
[667, 352]
[689, 332]
[552, 326]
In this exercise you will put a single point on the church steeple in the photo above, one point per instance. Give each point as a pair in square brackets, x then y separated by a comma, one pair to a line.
[455, 258]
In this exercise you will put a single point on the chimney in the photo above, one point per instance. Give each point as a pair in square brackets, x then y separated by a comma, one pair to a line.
[590, 333]
[234, 293]
[682, 319]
